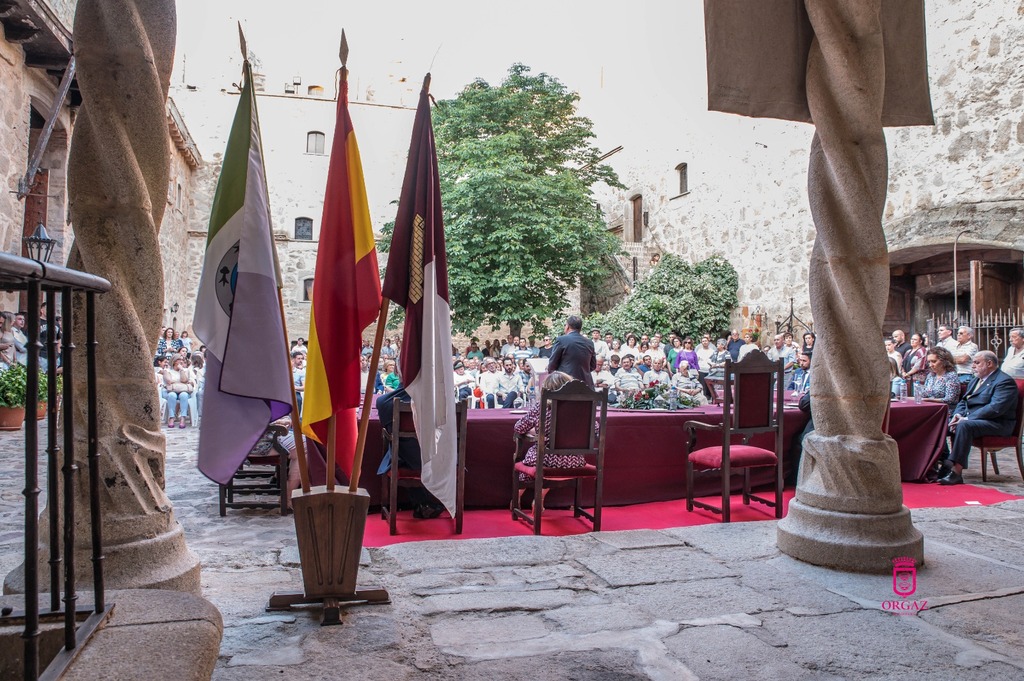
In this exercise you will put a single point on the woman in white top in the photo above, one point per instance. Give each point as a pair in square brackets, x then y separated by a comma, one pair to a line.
[7, 341]
[630, 348]
[180, 385]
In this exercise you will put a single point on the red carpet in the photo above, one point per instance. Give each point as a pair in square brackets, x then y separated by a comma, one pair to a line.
[485, 524]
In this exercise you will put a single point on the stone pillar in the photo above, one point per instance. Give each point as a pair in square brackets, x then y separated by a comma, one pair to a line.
[118, 173]
[848, 512]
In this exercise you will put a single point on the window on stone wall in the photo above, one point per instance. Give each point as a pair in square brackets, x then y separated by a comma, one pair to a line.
[315, 142]
[304, 229]
[637, 234]
[307, 290]
[178, 203]
[684, 186]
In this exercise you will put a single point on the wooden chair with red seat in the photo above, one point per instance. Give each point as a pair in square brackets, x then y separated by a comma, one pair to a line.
[570, 412]
[989, 444]
[752, 405]
[402, 426]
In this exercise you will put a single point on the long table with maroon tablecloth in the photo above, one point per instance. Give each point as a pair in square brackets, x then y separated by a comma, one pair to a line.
[643, 453]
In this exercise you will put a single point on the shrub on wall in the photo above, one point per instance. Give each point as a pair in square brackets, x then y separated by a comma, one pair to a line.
[689, 299]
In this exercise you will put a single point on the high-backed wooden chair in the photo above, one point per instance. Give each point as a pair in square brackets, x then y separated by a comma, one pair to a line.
[569, 415]
[394, 477]
[262, 479]
[752, 405]
[989, 444]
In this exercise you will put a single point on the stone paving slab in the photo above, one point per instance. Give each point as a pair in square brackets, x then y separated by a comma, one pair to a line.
[709, 602]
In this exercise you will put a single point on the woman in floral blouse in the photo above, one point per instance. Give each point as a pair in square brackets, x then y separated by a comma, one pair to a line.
[941, 384]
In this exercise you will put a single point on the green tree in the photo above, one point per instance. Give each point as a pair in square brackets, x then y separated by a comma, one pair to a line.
[676, 296]
[517, 165]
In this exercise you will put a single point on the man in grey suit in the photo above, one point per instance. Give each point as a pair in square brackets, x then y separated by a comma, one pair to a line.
[988, 408]
[574, 354]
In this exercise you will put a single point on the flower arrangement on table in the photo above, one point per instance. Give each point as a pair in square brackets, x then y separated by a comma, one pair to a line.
[654, 396]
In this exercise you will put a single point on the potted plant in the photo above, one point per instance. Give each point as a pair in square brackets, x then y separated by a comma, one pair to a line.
[12, 397]
[44, 394]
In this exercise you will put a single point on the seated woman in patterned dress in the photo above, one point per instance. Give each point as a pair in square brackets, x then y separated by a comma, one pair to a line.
[941, 384]
[531, 422]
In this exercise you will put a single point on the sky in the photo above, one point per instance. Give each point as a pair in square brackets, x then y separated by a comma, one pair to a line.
[630, 63]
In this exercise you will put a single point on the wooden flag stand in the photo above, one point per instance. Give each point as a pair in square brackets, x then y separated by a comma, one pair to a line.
[329, 523]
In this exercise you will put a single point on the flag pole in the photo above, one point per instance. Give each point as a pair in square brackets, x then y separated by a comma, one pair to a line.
[382, 318]
[332, 423]
[300, 448]
[364, 417]
[300, 445]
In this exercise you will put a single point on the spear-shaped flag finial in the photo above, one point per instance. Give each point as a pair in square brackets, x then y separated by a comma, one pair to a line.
[343, 51]
[241, 42]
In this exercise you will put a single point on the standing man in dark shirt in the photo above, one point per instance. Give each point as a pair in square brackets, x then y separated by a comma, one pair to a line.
[573, 354]
[546, 350]
[900, 339]
[735, 343]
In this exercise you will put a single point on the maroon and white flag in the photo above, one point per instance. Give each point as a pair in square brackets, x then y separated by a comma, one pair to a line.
[417, 279]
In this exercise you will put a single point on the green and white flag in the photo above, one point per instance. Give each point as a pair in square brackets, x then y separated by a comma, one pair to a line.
[238, 316]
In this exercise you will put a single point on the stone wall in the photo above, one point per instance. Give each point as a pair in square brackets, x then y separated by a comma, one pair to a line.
[64, 10]
[967, 172]
[296, 179]
[14, 133]
[746, 197]
[179, 214]
[25, 88]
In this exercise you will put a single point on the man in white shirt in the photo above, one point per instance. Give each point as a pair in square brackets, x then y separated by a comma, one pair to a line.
[1014, 362]
[628, 379]
[473, 368]
[299, 376]
[782, 351]
[600, 347]
[488, 380]
[364, 375]
[963, 353]
[509, 384]
[946, 339]
[464, 383]
[608, 338]
[602, 377]
[657, 374]
[510, 346]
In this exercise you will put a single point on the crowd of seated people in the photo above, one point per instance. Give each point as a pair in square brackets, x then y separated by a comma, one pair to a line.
[180, 372]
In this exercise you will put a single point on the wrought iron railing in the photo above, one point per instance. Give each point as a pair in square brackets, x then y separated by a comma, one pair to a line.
[39, 281]
[991, 328]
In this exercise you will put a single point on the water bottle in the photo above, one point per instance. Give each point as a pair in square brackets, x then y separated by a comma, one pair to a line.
[917, 393]
[673, 398]
[902, 392]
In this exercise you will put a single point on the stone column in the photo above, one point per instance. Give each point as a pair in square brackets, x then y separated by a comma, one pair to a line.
[118, 173]
[848, 512]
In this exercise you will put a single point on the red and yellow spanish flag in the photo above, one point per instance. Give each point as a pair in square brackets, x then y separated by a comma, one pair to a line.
[346, 294]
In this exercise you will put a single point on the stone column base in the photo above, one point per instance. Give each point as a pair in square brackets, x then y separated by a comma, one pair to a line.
[854, 542]
[848, 512]
[160, 562]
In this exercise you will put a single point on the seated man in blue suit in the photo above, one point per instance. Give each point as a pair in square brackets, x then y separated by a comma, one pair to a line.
[989, 407]
[424, 503]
